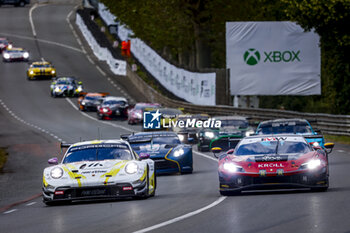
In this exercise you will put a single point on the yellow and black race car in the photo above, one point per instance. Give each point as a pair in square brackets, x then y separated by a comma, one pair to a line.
[41, 69]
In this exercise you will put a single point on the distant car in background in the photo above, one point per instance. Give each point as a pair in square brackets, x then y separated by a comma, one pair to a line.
[165, 149]
[21, 3]
[91, 100]
[4, 44]
[112, 107]
[41, 69]
[15, 54]
[135, 114]
[290, 126]
[66, 87]
[232, 130]
[189, 134]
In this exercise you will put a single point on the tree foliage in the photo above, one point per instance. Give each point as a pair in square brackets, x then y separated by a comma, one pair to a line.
[191, 33]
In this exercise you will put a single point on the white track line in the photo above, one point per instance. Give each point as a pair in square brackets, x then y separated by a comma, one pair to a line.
[182, 217]
[31, 18]
[206, 156]
[13, 115]
[31, 203]
[10, 211]
[43, 41]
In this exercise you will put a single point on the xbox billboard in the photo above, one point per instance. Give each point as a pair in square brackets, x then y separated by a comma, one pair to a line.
[272, 58]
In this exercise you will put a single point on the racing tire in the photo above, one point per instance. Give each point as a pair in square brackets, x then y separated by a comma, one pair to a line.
[100, 117]
[155, 185]
[146, 194]
[187, 172]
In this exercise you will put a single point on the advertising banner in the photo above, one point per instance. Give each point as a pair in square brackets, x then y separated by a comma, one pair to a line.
[194, 87]
[272, 58]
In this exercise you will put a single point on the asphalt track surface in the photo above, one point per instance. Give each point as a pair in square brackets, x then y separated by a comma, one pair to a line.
[32, 123]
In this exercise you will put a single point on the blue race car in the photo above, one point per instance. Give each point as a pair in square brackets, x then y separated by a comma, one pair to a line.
[290, 126]
[165, 148]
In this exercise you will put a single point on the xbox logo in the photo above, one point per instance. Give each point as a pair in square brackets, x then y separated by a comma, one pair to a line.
[251, 57]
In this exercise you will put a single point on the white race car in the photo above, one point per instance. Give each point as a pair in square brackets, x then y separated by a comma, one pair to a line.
[15, 54]
[98, 169]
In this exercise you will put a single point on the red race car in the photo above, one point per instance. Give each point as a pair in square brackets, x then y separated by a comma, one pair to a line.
[273, 162]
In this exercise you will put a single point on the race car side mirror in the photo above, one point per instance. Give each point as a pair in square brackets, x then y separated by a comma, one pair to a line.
[329, 147]
[53, 161]
[144, 156]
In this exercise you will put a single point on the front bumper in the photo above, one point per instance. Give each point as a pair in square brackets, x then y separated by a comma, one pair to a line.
[317, 179]
[114, 191]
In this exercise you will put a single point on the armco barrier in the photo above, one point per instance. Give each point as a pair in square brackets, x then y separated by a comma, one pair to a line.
[327, 123]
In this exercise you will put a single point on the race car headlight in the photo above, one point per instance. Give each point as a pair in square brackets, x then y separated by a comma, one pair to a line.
[104, 110]
[131, 168]
[83, 103]
[181, 137]
[52, 71]
[31, 72]
[56, 173]
[9, 46]
[312, 164]
[79, 89]
[231, 167]
[6, 55]
[26, 55]
[249, 132]
[209, 134]
[179, 152]
[57, 89]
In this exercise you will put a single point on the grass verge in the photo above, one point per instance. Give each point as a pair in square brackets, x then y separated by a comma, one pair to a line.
[337, 139]
[3, 158]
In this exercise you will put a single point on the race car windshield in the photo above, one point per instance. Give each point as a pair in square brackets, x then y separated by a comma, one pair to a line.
[93, 97]
[168, 140]
[63, 82]
[3, 42]
[41, 66]
[272, 147]
[96, 153]
[112, 102]
[282, 128]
